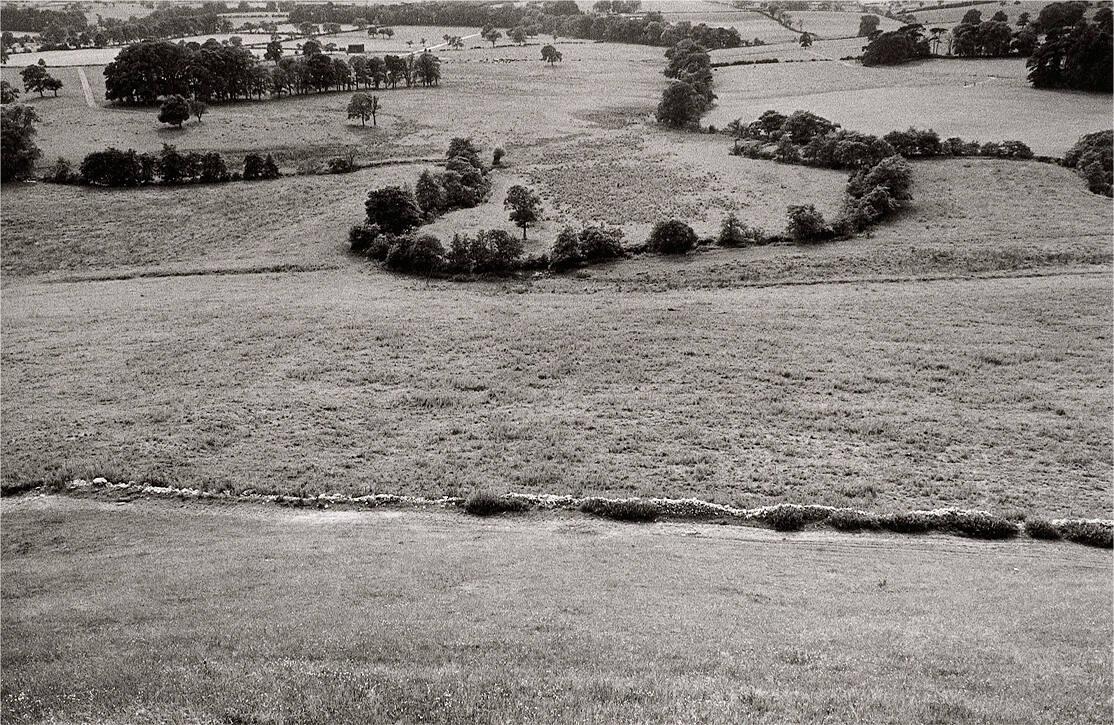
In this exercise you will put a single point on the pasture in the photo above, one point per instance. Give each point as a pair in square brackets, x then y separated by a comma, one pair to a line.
[321, 617]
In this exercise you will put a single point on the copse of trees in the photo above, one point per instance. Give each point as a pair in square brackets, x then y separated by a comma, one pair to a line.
[115, 168]
[690, 96]
[591, 244]
[1080, 57]
[896, 46]
[868, 25]
[18, 152]
[145, 72]
[1092, 157]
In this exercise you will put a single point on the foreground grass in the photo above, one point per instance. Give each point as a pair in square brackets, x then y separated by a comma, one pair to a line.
[986, 393]
[152, 612]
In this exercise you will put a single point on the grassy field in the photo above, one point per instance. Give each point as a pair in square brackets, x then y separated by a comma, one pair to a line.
[984, 100]
[984, 393]
[143, 612]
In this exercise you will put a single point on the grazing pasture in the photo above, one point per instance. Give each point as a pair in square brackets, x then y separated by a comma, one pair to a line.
[830, 24]
[245, 613]
[984, 100]
[990, 393]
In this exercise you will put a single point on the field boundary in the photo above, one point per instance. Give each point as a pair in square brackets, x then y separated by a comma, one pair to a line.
[786, 517]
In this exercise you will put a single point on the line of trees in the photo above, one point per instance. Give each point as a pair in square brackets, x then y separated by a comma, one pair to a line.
[1064, 49]
[690, 95]
[115, 168]
[144, 72]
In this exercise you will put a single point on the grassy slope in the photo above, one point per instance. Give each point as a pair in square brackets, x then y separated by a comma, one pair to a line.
[990, 393]
[259, 615]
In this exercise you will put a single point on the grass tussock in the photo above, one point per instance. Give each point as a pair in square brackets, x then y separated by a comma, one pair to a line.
[621, 510]
[486, 503]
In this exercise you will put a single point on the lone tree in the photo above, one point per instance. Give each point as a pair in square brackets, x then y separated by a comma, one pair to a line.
[274, 51]
[198, 109]
[36, 78]
[806, 40]
[551, 55]
[492, 36]
[363, 107]
[517, 35]
[525, 206]
[175, 110]
[868, 24]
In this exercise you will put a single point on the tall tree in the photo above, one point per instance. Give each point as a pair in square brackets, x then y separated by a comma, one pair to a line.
[175, 110]
[551, 55]
[363, 107]
[525, 207]
[18, 151]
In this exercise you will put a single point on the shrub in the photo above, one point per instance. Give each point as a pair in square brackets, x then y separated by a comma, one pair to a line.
[489, 251]
[1092, 157]
[362, 236]
[892, 173]
[860, 213]
[1091, 533]
[671, 237]
[790, 517]
[429, 192]
[497, 156]
[417, 255]
[736, 233]
[61, 172]
[212, 168]
[787, 151]
[485, 503]
[257, 167]
[913, 522]
[175, 110]
[621, 510]
[1039, 528]
[841, 149]
[565, 254]
[802, 126]
[1006, 150]
[112, 167]
[341, 165]
[174, 167]
[849, 520]
[806, 224]
[914, 142]
[979, 525]
[393, 209]
[598, 243]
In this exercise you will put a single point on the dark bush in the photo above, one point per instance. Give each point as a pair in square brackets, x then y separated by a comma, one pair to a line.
[212, 168]
[423, 254]
[565, 254]
[61, 172]
[892, 173]
[112, 167]
[393, 209]
[497, 156]
[1092, 157]
[788, 517]
[488, 251]
[841, 149]
[802, 126]
[979, 525]
[913, 522]
[341, 165]
[671, 237]
[848, 520]
[598, 243]
[806, 224]
[1091, 533]
[1039, 528]
[429, 192]
[362, 237]
[485, 503]
[621, 510]
[914, 142]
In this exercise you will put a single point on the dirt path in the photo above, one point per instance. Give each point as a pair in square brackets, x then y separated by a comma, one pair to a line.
[89, 100]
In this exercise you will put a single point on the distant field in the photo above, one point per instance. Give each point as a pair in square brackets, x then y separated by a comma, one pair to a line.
[984, 100]
[835, 24]
[947, 17]
[239, 614]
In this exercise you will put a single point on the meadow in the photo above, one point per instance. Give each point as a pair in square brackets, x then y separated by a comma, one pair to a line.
[127, 611]
[990, 393]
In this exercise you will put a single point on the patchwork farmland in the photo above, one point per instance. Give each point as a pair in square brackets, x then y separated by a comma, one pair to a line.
[411, 384]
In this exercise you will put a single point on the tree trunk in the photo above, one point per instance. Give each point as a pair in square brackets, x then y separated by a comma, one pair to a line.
[524, 232]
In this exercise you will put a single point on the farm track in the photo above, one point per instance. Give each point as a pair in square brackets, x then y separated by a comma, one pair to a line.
[86, 89]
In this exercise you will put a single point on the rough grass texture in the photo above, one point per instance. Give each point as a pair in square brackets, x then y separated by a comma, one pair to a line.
[238, 614]
[872, 397]
[783, 517]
